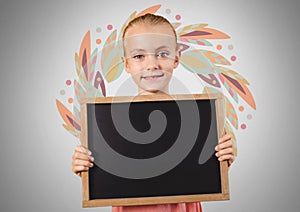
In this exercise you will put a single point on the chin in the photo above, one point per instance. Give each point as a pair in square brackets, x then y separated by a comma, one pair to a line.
[153, 90]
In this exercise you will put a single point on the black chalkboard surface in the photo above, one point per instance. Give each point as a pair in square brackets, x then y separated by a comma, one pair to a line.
[153, 150]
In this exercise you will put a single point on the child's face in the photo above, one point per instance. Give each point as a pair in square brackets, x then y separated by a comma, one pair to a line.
[150, 55]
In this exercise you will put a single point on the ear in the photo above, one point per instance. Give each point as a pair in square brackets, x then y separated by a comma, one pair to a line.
[125, 64]
[177, 58]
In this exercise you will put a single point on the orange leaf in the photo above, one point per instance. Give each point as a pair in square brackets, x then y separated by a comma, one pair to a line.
[151, 10]
[176, 25]
[67, 116]
[240, 88]
[86, 47]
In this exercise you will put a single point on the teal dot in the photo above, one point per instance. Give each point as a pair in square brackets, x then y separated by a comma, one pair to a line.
[98, 29]
[230, 47]
[168, 11]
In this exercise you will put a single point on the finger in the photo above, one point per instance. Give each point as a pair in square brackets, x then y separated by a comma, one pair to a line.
[226, 157]
[225, 138]
[224, 145]
[82, 149]
[78, 169]
[227, 151]
[78, 163]
[82, 159]
[80, 155]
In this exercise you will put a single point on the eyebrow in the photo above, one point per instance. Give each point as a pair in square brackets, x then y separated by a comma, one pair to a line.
[137, 50]
[143, 50]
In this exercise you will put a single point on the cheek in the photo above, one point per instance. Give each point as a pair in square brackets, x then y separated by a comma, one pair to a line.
[136, 76]
[134, 68]
[168, 66]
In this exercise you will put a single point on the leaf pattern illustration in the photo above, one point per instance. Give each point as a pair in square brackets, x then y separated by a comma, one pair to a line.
[69, 119]
[84, 54]
[80, 92]
[176, 25]
[201, 42]
[229, 131]
[210, 79]
[196, 62]
[190, 28]
[204, 33]
[230, 112]
[238, 86]
[99, 82]
[151, 10]
[216, 58]
[103, 65]
[111, 60]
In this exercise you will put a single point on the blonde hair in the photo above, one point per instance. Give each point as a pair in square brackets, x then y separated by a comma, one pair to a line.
[150, 20]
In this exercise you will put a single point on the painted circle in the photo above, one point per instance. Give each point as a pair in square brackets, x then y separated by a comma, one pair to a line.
[230, 47]
[177, 17]
[249, 116]
[109, 27]
[62, 92]
[241, 108]
[233, 58]
[98, 41]
[68, 82]
[70, 100]
[243, 126]
[168, 11]
[219, 47]
[98, 29]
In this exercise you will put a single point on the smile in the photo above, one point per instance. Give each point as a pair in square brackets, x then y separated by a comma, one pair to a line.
[152, 77]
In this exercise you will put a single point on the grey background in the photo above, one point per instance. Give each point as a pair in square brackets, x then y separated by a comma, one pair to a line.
[37, 44]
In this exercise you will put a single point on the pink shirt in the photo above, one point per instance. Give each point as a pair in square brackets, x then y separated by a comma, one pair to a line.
[180, 207]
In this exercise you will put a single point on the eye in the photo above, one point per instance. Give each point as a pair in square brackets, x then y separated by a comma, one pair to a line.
[163, 54]
[138, 56]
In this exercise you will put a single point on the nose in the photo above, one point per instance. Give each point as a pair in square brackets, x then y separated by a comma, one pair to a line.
[152, 63]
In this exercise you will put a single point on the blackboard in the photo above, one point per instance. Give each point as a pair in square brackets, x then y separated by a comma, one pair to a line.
[153, 150]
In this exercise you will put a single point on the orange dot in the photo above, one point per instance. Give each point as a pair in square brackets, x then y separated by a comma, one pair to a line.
[70, 100]
[98, 41]
[241, 108]
[219, 46]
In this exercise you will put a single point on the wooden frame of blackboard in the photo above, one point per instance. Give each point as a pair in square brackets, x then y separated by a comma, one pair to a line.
[223, 195]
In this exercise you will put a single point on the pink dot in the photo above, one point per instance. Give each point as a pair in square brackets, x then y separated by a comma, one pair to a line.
[243, 126]
[233, 58]
[68, 82]
[177, 17]
[109, 27]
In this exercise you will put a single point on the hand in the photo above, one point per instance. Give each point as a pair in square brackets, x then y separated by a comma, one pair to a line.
[225, 149]
[81, 160]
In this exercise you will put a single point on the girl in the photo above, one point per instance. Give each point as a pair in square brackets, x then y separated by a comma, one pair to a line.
[150, 56]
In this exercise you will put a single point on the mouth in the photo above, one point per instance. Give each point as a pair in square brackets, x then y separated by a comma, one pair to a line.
[152, 77]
